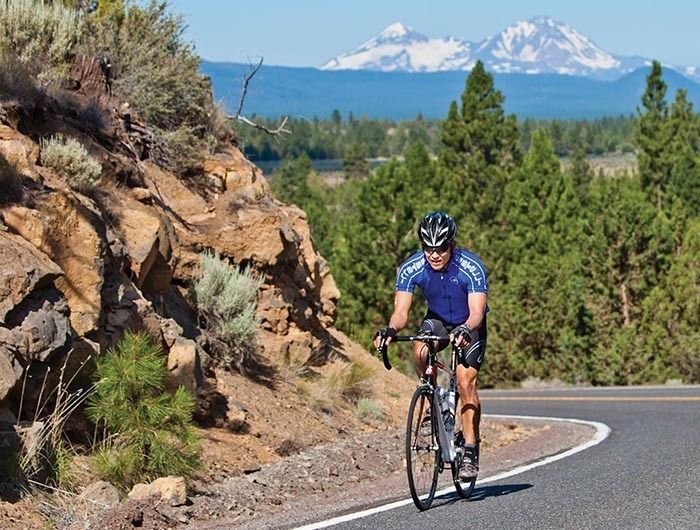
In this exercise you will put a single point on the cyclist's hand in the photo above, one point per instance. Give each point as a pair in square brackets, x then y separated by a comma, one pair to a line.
[461, 336]
[383, 337]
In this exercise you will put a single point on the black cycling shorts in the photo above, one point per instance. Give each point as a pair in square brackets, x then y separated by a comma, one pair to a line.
[472, 355]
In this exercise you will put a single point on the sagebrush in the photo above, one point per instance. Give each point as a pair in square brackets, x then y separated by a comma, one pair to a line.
[70, 159]
[41, 36]
[226, 300]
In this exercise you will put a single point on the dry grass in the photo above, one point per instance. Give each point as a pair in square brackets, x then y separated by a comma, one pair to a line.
[339, 384]
[369, 409]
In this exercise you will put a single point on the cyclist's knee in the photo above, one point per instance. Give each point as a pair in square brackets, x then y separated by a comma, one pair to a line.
[466, 381]
[419, 360]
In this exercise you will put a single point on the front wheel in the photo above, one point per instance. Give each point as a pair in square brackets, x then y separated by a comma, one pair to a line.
[464, 487]
[422, 451]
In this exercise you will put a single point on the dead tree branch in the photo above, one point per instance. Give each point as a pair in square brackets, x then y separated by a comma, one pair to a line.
[239, 117]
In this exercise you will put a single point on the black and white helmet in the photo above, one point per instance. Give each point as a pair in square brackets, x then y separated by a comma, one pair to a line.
[437, 229]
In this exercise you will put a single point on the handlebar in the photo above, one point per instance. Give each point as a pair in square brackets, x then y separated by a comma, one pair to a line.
[404, 338]
[417, 338]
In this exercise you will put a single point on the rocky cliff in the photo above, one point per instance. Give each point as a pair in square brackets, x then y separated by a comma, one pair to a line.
[77, 270]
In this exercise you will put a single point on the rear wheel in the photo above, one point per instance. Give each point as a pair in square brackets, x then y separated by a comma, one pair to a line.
[422, 452]
[464, 488]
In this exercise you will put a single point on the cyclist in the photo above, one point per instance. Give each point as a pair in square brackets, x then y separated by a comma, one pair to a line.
[453, 281]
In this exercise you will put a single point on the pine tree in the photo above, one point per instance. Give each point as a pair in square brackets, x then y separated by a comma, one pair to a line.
[541, 322]
[150, 430]
[670, 324]
[581, 171]
[629, 245]
[479, 149]
[684, 126]
[652, 136]
[355, 165]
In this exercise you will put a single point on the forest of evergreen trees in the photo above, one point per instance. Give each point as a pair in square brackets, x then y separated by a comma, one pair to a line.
[335, 138]
[593, 279]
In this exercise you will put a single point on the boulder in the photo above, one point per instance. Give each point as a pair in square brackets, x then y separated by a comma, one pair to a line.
[64, 230]
[237, 174]
[32, 436]
[147, 237]
[38, 327]
[44, 330]
[101, 493]
[23, 268]
[20, 151]
[183, 366]
[169, 489]
[10, 371]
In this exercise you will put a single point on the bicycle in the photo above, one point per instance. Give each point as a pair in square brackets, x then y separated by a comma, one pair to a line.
[430, 443]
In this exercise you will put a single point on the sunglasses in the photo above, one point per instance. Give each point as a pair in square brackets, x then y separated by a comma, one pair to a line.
[440, 250]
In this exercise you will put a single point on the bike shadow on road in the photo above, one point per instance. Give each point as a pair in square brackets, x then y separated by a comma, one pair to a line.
[483, 492]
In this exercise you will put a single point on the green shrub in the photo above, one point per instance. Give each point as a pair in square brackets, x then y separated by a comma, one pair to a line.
[68, 157]
[149, 430]
[157, 72]
[226, 302]
[41, 35]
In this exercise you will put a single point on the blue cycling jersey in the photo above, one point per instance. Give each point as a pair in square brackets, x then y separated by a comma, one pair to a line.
[446, 290]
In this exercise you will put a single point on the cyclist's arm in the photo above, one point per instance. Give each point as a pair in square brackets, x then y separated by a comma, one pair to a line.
[477, 309]
[402, 304]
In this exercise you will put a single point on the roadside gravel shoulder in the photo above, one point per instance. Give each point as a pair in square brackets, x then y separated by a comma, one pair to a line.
[359, 472]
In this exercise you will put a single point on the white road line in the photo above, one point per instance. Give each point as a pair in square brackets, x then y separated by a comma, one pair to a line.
[602, 432]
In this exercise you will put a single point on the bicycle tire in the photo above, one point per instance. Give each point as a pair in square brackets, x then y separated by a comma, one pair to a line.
[464, 488]
[422, 451]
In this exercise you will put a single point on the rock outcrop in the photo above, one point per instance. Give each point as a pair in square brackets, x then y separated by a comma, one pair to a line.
[76, 271]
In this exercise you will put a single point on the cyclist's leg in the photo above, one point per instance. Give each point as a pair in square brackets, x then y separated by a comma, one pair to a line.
[469, 402]
[429, 326]
[468, 370]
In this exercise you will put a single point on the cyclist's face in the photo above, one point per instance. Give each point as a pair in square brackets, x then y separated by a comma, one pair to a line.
[438, 256]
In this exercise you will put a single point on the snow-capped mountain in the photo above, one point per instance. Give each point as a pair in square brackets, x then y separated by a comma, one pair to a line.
[536, 46]
[542, 45]
[400, 48]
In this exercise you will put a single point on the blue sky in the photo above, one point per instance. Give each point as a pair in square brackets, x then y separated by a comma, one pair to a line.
[309, 32]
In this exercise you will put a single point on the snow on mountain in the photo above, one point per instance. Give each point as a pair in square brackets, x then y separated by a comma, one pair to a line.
[543, 45]
[536, 46]
[400, 48]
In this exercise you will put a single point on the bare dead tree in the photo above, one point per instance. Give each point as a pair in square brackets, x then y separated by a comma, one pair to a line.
[239, 117]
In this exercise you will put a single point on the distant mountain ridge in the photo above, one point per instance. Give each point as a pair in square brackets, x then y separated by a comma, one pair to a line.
[540, 45]
[307, 92]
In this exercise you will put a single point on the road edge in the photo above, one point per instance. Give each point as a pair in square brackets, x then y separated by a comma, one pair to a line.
[602, 431]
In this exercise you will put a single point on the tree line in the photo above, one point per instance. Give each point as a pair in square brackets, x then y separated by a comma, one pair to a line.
[593, 279]
[334, 138]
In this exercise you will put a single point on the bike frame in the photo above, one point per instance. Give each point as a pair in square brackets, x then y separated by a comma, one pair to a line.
[429, 377]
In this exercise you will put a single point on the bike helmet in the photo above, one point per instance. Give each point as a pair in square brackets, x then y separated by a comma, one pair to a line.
[437, 229]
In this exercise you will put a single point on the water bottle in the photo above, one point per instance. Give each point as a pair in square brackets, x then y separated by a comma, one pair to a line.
[447, 411]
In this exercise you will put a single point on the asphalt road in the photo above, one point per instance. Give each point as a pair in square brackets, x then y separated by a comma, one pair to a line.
[646, 474]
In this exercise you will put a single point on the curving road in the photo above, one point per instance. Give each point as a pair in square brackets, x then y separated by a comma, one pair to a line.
[645, 474]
